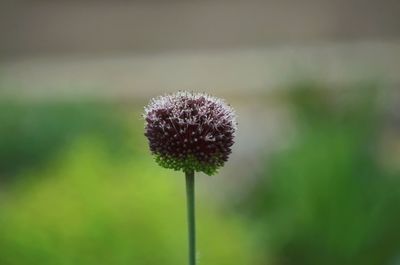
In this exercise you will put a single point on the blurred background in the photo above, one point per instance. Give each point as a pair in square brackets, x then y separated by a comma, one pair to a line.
[314, 177]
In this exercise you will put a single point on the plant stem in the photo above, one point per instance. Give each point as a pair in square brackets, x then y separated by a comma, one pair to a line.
[190, 198]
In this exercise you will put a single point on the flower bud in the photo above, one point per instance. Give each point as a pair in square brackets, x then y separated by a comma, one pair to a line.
[190, 131]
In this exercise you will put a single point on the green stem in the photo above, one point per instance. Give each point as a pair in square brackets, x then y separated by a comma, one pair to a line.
[190, 197]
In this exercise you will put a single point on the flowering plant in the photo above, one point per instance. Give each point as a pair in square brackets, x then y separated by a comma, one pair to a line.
[190, 132]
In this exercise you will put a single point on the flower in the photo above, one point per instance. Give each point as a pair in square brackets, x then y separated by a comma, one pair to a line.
[190, 131]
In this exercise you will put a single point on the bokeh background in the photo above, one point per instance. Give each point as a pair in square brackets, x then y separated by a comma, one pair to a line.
[314, 177]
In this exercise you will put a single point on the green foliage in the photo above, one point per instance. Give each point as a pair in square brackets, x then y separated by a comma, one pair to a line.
[32, 134]
[90, 209]
[326, 199]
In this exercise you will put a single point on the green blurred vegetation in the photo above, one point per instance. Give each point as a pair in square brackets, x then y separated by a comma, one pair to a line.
[33, 133]
[90, 211]
[326, 199]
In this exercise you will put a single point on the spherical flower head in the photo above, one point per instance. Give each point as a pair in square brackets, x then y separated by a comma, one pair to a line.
[190, 131]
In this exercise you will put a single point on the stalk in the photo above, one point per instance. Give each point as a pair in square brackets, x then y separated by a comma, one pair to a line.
[190, 198]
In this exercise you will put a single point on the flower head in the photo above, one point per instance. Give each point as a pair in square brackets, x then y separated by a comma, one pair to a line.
[190, 131]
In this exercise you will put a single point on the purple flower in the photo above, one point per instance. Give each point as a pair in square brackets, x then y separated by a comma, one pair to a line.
[190, 131]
